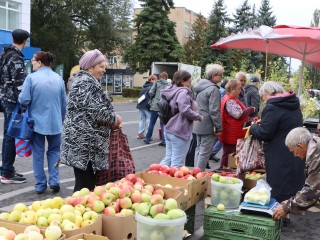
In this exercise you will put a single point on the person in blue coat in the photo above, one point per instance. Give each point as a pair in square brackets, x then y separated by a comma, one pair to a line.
[44, 93]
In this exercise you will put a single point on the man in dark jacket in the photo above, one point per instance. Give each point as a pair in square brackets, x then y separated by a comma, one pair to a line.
[242, 77]
[252, 95]
[11, 80]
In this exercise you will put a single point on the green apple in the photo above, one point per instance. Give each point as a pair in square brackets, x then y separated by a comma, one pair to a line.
[155, 209]
[70, 226]
[21, 207]
[223, 179]
[56, 217]
[53, 232]
[70, 216]
[143, 208]
[215, 177]
[170, 204]
[176, 213]
[90, 215]
[220, 207]
[4, 216]
[42, 221]
[157, 235]
[14, 216]
[161, 216]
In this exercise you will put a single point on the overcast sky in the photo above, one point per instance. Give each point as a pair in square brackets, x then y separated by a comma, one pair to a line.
[287, 12]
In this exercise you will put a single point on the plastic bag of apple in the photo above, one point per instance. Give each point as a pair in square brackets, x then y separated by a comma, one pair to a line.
[32, 232]
[43, 213]
[225, 190]
[260, 194]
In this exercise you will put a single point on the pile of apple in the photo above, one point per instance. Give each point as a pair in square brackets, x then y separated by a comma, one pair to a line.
[257, 196]
[32, 232]
[224, 174]
[226, 191]
[43, 213]
[253, 175]
[166, 210]
[182, 172]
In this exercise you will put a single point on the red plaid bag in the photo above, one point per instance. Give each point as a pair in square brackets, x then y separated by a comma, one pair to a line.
[120, 159]
[23, 147]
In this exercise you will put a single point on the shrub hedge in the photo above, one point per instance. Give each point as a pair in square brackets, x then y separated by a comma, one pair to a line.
[131, 92]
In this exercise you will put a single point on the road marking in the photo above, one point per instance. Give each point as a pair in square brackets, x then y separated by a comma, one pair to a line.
[127, 111]
[141, 147]
[131, 122]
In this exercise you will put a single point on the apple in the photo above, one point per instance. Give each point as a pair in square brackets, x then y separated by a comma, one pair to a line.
[220, 207]
[57, 202]
[47, 203]
[35, 235]
[138, 186]
[134, 206]
[145, 197]
[69, 200]
[86, 223]
[155, 167]
[178, 174]
[53, 232]
[29, 217]
[168, 186]
[9, 235]
[176, 213]
[157, 235]
[155, 209]
[98, 190]
[115, 191]
[107, 197]
[84, 192]
[36, 205]
[223, 179]
[149, 187]
[165, 169]
[69, 216]
[125, 202]
[185, 170]
[53, 217]
[70, 226]
[200, 175]
[2, 230]
[78, 221]
[172, 171]
[136, 197]
[66, 208]
[47, 212]
[116, 206]
[124, 192]
[156, 199]
[90, 215]
[143, 208]
[159, 191]
[21, 207]
[170, 204]
[80, 208]
[21, 236]
[31, 228]
[109, 211]
[4, 216]
[42, 221]
[161, 216]
[215, 177]
[109, 185]
[76, 194]
[126, 212]
[80, 200]
[132, 178]
[97, 206]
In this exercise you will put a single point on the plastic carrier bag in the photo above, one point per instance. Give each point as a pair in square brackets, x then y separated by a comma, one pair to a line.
[260, 194]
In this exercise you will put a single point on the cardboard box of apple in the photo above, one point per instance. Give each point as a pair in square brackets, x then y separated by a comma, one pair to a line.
[9, 231]
[225, 191]
[253, 175]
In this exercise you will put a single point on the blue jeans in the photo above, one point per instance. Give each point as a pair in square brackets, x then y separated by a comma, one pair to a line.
[216, 148]
[153, 120]
[144, 120]
[53, 155]
[176, 150]
[8, 144]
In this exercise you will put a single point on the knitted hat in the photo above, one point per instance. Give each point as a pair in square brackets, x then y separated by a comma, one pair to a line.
[91, 58]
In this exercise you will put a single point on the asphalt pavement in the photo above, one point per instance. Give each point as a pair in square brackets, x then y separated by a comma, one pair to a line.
[301, 227]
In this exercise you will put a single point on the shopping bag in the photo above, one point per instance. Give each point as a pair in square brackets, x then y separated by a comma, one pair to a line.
[20, 125]
[23, 147]
[120, 159]
[191, 152]
[250, 154]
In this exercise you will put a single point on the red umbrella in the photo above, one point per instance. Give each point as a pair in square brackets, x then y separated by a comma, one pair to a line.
[291, 41]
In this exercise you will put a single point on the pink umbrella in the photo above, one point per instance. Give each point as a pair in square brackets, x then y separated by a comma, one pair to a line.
[291, 41]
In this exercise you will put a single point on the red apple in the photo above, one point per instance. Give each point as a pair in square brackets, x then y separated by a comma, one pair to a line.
[124, 192]
[201, 175]
[136, 197]
[116, 206]
[164, 169]
[155, 167]
[178, 174]
[159, 191]
[195, 171]
[185, 170]
[109, 211]
[132, 178]
[172, 171]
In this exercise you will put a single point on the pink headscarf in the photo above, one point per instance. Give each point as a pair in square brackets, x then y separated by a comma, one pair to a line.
[91, 58]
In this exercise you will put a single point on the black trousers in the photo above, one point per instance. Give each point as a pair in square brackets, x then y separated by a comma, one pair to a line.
[84, 179]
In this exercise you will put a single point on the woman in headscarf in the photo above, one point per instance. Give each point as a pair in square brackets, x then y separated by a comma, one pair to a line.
[90, 116]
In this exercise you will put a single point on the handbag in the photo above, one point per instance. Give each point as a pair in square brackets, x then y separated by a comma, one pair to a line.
[121, 162]
[250, 153]
[20, 125]
[23, 147]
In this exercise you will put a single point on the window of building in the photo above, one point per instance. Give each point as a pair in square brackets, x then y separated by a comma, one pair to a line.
[186, 29]
[9, 15]
[112, 59]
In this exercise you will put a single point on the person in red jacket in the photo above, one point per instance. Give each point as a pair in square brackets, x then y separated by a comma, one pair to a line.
[234, 114]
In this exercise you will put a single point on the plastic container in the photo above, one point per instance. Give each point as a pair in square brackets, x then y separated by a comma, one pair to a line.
[149, 228]
[227, 194]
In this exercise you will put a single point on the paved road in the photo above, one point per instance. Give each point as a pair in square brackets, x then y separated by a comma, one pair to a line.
[302, 227]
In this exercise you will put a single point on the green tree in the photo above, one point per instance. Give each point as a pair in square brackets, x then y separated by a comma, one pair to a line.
[197, 40]
[217, 29]
[242, 19]
[156, 39]
[265, 15]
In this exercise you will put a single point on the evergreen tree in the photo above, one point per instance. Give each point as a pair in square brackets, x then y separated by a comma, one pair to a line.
[156, 40]
[265, 14]
[217, 29]
[197, 40]
[242, 19]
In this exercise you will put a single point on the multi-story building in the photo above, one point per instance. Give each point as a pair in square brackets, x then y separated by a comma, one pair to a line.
[15, 14]
[184, 19]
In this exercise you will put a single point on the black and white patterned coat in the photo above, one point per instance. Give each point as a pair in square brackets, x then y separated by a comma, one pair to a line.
[89, 118]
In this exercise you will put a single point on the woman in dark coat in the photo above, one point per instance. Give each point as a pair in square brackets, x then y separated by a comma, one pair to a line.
[282, 113]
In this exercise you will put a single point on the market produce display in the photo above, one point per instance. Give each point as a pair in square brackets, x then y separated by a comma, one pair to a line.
[182, 172]
[254, 175]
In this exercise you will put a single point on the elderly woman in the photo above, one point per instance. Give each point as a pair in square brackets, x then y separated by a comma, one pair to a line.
[178, 130]
[90, 115]
[234, 114]
[282, 113]
[44, 92]
[301, 143]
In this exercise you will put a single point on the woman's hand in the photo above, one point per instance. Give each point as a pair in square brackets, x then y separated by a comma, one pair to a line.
[118, 121]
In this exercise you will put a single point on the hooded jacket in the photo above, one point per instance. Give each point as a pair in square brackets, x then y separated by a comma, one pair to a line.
[207, 96]
[285, 173]
[13, 74]
[181, 103]
[145, 88]
[253, 99]
[154, 93]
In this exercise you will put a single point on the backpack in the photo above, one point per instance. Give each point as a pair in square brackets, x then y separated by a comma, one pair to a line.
[165, 113]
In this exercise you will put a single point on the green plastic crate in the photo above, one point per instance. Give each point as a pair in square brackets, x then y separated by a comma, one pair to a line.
[220, 235]
[191, 215]
[255, 226]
